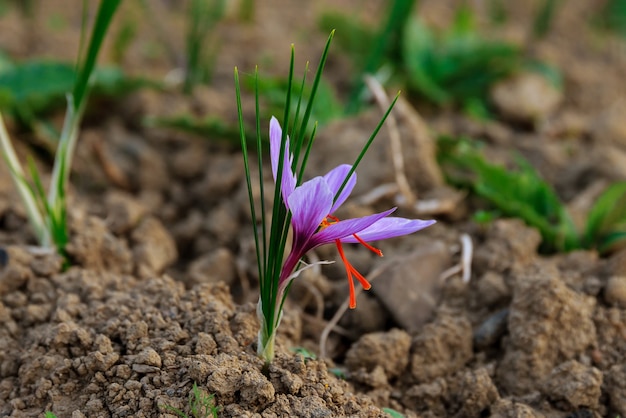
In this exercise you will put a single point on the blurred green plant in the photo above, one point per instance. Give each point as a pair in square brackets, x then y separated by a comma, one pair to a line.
[213, 128]
[612, 16]
[49, 414]
[544, 18]
[30, 89]
[457, 66]
[522, 193]
[123, 39]
[203, 16]
[201, 405]
[370, 49]
[47, 214]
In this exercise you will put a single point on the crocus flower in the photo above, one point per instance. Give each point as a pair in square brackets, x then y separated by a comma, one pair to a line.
[312, 205]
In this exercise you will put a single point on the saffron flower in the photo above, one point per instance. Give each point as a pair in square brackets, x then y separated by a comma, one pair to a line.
[312, 205]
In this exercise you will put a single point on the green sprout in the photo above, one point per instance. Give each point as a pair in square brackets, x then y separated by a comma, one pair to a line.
[203, 15]
[200, 405]
[47, 214]
[523, 194]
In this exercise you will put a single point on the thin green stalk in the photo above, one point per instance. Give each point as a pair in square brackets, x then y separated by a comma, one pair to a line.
[260, 163]
[76, 105]
[17, 174]
[244, 150]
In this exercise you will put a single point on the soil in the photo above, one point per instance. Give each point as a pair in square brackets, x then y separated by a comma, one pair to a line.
[162, 289]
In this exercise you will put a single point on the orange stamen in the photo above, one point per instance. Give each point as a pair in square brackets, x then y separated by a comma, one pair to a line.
[369, 247]
[351, 271]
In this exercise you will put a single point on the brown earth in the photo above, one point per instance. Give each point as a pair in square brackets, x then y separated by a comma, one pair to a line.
[162, 290]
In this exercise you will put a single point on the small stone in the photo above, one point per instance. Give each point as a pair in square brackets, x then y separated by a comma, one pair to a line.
[123, 211]
[148, 357]
[388, 350]
[615, 291]
[217, 266]
[154, 248]
[526, 97]
[616, 388]
[441, 348]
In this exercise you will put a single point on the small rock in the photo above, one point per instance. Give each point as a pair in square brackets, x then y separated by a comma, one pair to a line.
[388, 350]
[123, 211]
[154, 249]
[548, 324]
[492, 289]
[148, 357]
[526, 97]
[611, 126]
[615, 291]
[189, 162]
[428, 397]
[477, 391]
[223, 223]
[412, 286]
[491, 329]
[442, 347]
[506, 408]
[576, 384]
[218, 266]
[223, 174]
[616, 388]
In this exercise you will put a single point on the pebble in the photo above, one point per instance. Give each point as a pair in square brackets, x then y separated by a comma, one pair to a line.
[526, 97]
[615, 291]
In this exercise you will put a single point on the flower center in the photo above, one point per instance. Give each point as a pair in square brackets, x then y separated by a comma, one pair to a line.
[351, 271]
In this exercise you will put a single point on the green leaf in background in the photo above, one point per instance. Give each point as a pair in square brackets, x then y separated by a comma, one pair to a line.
[354, 38]
[520, 193]
[613, 16]
[32, 88]
[211, 128]
[457, 66]
[606, 221]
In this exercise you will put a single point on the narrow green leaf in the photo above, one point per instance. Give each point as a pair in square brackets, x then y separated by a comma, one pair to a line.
[103, 18]
[608, 213]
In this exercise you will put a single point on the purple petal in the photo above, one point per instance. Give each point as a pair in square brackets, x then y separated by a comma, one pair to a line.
[309, 203]
[288, 180]
[335, 179]
[346, 228]
[389, 228]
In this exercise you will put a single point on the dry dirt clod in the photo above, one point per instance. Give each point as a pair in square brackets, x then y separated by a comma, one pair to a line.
[615, 386]
[548, 324]
[575, 384]
[388, 351]
[441, 348]
[478, 392]
[123, 211]
[213, 267]
[153, 248]
[506, 408]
